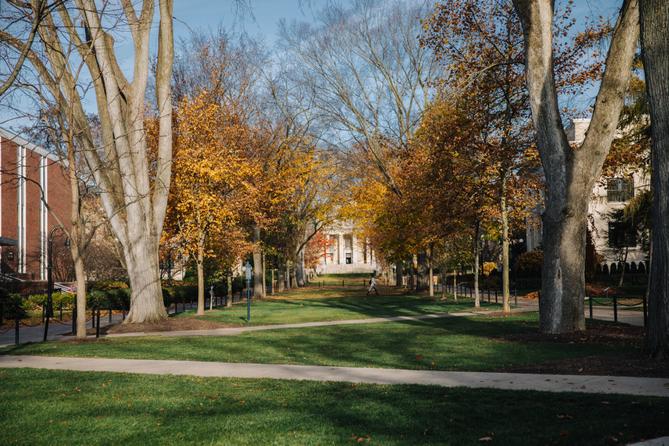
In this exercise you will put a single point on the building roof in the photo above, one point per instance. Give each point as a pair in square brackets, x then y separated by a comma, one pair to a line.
[16, 139]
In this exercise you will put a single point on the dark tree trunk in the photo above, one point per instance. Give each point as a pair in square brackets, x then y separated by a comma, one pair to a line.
[399, 274]
[655, 47]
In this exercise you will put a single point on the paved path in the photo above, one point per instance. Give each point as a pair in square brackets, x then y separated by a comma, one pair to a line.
[238, 330]
[508, 381]
[57, 330]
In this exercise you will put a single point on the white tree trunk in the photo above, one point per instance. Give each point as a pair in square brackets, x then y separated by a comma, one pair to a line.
[570, 173]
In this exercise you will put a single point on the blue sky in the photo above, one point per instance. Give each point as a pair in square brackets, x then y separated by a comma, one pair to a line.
[260, 20]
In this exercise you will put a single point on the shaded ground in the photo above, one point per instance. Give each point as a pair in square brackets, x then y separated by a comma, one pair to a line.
[631, 360]
[52, 407]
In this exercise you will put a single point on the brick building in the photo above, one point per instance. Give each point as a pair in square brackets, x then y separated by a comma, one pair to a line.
[27, 171]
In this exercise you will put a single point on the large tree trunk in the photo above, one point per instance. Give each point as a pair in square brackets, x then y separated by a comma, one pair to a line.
[655, 47]
[281, 278]
[506, 306]
[399, 274]
[455, 285]
[80, 275]
[477, 261]
[146, 298]
[299, 269]
[570, 172]
[200, 280]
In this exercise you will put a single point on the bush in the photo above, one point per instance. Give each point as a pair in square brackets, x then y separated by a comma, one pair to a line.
[528, 264]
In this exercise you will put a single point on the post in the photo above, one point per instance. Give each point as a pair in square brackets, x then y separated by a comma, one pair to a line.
[615, 308]
[590, 306]
[515, 297]
[645, 310]
[74, 320]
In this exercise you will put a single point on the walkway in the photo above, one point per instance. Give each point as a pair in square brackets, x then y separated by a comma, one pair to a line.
[508, 381]
[57, 330]
[238, 330]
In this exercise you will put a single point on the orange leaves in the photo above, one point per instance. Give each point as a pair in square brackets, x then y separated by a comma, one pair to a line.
[212, 177]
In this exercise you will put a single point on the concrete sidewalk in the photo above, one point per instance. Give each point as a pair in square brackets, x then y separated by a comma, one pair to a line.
[508, 381]
[238, 330]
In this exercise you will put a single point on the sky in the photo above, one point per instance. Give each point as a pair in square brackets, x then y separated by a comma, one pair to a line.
[260, 18]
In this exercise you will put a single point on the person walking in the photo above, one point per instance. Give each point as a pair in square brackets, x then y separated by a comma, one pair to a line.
[372, 286]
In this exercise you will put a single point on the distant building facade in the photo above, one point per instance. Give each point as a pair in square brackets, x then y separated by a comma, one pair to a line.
[608, 195]
[345, 253]
[26, 172]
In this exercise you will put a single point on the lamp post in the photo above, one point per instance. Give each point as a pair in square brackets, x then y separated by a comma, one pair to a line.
[249, 275]
[49, 275]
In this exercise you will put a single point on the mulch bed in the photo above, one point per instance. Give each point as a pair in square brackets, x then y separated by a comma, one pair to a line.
[598, 332]
[170, 324]
[624, 365]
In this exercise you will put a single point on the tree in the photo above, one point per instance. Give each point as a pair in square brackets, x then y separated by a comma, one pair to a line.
[479, 44]
[211, 181]
[133, 192]
[570, 172]
[655, 49]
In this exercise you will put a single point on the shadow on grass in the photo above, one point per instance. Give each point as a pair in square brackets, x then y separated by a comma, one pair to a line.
[105, 408]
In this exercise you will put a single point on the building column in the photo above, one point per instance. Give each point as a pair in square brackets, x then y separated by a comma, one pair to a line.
[340, 248]
[353, 246]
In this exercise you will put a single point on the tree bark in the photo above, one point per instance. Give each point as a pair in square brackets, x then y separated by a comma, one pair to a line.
[455, 285]
[264, 276]
[430, 273]
[228, 301]
[570, 173]
[144, 278]
[655, 48]
[200, 280]
[506, 294]
[299, 269]
[257, 265]
[477, 250]
[281, 278]
[399, 274]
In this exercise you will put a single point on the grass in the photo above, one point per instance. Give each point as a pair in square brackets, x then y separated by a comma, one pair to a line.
[40, 407]
[311, 305]
[460, 343]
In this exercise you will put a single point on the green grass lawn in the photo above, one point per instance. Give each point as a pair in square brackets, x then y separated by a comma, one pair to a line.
[313, 304]
[445, 344]
[41, 407]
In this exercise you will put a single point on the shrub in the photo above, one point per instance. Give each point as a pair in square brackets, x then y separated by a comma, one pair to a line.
[528, 264]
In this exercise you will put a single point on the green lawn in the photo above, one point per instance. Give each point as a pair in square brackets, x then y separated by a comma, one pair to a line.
[444, 344]
[332, 304]
[40, 407]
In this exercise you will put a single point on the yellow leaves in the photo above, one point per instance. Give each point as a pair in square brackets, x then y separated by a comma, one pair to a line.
[212, 174]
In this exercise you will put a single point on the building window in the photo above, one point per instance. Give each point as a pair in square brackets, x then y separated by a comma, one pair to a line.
[619, 189]
[349, 258]
[621, 235]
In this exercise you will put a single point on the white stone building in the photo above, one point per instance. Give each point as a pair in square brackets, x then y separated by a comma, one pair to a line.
[608, 195]
[345, 252]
